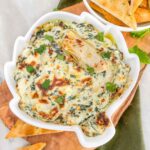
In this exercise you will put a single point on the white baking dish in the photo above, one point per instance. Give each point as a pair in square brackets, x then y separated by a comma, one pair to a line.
[131, 59]
[103, 20]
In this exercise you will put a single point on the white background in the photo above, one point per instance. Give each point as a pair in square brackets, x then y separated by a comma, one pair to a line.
[16, 17]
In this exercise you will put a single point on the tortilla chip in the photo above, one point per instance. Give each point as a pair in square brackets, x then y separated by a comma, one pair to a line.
[142, 15]
[7, 116]
[149, 4]
[144, 4]
[119, 9]
[37, 146]
[134, 5]
[106, 15]
[21, 129]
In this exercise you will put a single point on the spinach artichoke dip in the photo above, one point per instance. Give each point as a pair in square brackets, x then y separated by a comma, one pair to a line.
[69, 73]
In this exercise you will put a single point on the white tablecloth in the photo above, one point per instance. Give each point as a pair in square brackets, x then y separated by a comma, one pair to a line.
[16, 16]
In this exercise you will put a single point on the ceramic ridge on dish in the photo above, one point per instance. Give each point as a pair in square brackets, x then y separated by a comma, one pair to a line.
[69, 73]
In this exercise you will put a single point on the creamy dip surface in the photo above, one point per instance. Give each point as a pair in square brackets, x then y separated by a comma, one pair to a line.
[69, 73]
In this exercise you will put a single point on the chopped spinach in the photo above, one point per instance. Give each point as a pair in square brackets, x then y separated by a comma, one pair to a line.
[86, 119]
[32, 86]
[80, 25]
[103, 73]
[56, 47]
[71, 98]
[72, 76]
[40, 33]
[90, 27]
[96, 109]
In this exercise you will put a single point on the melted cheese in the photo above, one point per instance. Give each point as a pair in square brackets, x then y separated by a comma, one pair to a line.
[74, 96]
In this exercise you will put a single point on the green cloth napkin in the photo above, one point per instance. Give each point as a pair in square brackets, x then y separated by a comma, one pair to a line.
[129, 134]
[65, 3]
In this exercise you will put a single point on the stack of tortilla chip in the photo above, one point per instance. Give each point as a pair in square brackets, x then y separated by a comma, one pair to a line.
[124, 12]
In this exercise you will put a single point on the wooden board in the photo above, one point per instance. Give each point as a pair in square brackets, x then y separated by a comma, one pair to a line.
[68, 140]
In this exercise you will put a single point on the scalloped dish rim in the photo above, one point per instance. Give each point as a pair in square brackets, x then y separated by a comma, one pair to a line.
[89, 142]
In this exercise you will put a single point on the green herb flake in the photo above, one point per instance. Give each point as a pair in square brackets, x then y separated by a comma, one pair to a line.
[143, 56]
[45, 84]
[49, 38]
[111, 87]
[106, 55]
[139, 34]
[41, 49]
[60, 99]
[60, 56]
[100, 36]
[90, 70]
[30, 69]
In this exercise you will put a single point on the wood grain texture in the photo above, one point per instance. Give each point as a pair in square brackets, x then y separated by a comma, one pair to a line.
[68, 140]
